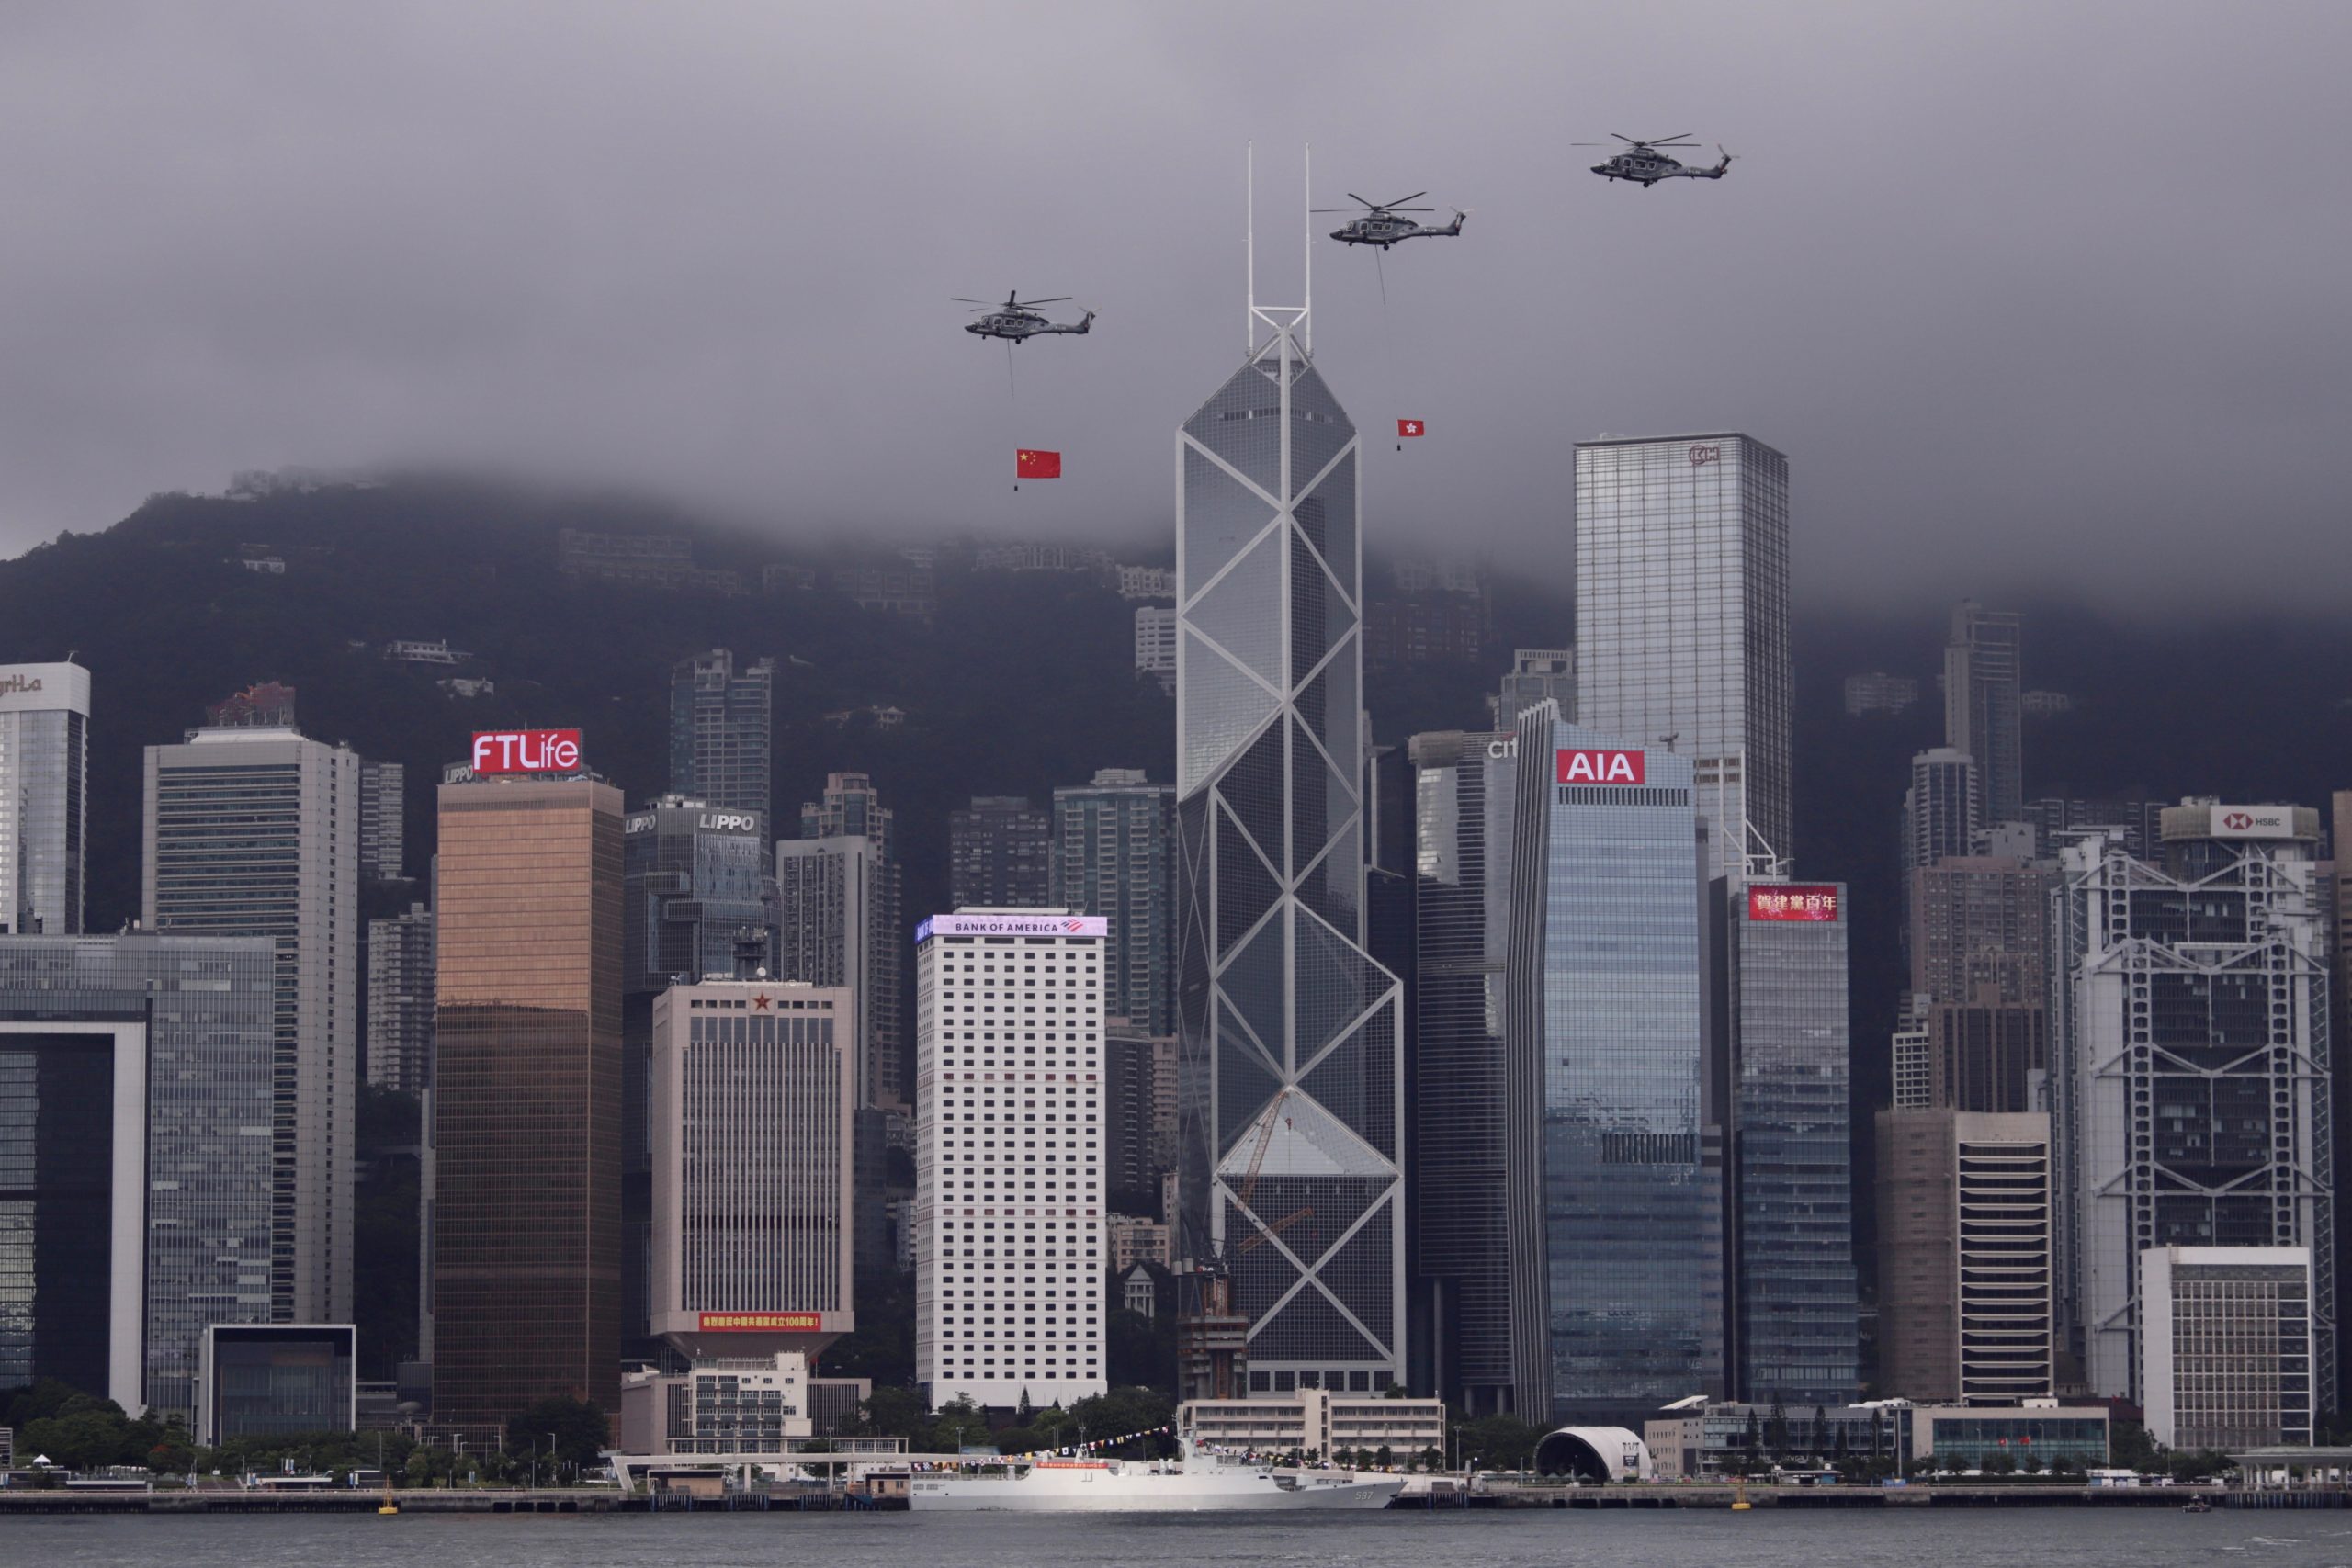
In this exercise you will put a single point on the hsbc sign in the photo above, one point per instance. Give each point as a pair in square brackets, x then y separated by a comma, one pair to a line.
[526, 751]
[2252, 822]
[1599, 767]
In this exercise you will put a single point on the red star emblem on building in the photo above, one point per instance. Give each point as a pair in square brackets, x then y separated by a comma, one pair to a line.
[760, 1002]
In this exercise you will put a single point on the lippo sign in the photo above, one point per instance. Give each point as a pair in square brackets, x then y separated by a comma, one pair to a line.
[759, 1321]
[1013, 925]
[1792, 901]
[1595, 767]
[527, 751]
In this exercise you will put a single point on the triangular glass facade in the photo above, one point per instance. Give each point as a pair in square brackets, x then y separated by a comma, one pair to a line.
[1293, 1049]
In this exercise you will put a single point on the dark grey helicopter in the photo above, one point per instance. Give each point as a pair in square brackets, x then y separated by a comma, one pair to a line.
[1379, 225]
[1016, 319]
[1644, 164]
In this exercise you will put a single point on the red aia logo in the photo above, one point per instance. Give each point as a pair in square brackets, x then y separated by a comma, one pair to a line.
[1599, 767]
[2237, 822]
[527, 751]
[1704, 454]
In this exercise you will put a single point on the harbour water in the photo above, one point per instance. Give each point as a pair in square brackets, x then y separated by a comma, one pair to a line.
[2025, 1537]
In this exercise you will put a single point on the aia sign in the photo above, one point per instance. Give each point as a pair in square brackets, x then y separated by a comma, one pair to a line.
[1595, 767]
[527, 751]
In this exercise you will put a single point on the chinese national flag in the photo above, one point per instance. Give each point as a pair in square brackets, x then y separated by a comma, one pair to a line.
[1029, 465]
[1410, 427]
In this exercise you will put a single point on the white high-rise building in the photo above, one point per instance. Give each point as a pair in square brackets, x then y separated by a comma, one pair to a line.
[753, 1082]
[1682, 622]
[2225, 1351]
[1009, 1218]
[2189, 1069]
[253, 831]
[44, 799]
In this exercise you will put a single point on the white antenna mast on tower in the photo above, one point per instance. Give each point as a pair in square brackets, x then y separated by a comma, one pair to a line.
[1295, 321]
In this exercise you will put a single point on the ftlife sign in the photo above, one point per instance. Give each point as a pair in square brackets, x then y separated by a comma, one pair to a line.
[526, 751]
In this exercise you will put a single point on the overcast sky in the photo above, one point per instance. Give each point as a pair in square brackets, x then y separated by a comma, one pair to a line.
[2032, 295]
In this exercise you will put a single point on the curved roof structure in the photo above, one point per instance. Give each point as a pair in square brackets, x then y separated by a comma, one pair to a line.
[1595, 1453]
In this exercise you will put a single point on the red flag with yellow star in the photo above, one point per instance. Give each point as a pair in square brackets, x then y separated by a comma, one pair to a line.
[1033, 465]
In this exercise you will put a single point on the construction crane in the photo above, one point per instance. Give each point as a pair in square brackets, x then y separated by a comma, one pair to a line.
[1247, 1191]
[1268, 1232]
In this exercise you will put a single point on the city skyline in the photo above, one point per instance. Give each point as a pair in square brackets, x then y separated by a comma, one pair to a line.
[1532, 977]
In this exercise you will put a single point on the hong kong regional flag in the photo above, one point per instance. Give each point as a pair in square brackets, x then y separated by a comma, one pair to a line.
[1029, 465]
[1410, 427]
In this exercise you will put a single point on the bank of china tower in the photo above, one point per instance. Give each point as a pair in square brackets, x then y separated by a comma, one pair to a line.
[1291, 1035]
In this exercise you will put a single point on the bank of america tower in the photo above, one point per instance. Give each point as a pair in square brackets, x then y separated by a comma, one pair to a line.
[1291, 1035]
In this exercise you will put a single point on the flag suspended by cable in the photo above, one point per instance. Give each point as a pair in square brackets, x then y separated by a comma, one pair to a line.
[1407, 428]
[1031, 464]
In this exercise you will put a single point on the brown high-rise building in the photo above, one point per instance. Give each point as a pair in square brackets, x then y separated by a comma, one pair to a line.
[1978, 920]
[1986, 1054]
[526, 1099]
[1966, 1302]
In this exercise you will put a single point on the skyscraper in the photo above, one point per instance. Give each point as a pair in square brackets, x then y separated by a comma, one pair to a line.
[751, 1154]
[527, 1098]
[382, 828]
[1682, 622]
[979, 1247]
[1000, 853]
[1486, 1363]
[2188, 1038]
[838, 921]
[1615, 1144]
[1291, 1035]
[1537, 674]
[1795, 1307]
[720, 720]
[138, 1207]
[1983, 714]
[1942, 809]
[401, 1001]
[254, 830]
[1114, 856]
[698, 898]
[44, 808]
[1964, 1251]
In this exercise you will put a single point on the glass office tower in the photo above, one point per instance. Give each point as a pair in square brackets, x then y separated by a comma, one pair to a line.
[1292, 1056]
[721, 719]
[1113, 844]
[526, 1099]
[44, 812]
[1613, 1156]
[1983, 701]
[1485, 1341]
[1682, 622]
[134, 1198]
[250, 830]
[1795, 1335]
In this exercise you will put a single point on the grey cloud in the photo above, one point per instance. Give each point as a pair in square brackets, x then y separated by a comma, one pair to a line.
[2032, 295]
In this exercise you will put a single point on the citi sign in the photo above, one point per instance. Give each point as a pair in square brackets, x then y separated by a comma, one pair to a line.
[527, 751]
[1597, 767]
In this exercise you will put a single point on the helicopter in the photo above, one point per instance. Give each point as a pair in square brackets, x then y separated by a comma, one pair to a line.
[1017, 321]
[1380, 225]
[1644, 164]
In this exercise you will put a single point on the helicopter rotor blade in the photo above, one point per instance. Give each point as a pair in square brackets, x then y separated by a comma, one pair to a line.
[1398, 203]
[1621, 137]
[1056, 300]
[1678, 136]
[959, 300]
[1372, 205]
[1410, 210]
